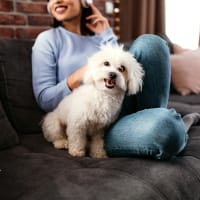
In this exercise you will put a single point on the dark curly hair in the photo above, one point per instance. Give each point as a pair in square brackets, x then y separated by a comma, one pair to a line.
[84, 30]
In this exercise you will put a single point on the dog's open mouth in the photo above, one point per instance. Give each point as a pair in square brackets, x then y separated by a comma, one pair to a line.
[109, 83]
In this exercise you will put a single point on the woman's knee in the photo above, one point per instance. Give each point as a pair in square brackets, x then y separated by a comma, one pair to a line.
[149, 44]
[153, 53]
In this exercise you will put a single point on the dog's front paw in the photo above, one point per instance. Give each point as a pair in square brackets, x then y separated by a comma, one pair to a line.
[98, 154]
[77, 153]
[61, 144]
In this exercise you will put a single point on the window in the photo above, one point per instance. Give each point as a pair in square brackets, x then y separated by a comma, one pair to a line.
[183, 22]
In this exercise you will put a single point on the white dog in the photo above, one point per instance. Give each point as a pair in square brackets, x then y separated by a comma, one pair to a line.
[81, 117]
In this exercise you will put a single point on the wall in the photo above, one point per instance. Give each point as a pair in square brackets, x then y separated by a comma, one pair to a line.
[24, 19]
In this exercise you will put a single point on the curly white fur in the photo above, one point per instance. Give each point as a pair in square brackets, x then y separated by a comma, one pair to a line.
[81, 117]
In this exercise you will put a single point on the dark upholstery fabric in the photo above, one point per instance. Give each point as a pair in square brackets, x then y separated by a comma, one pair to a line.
[34, 170]
[8, 136]
[185, 104]
[16, 85]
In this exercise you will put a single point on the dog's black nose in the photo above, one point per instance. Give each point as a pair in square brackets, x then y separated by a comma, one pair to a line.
[112, 75]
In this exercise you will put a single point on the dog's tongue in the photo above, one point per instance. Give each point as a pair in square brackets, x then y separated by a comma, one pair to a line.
[109, 83]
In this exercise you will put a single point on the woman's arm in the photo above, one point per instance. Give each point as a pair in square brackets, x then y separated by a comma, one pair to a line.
[47, 90]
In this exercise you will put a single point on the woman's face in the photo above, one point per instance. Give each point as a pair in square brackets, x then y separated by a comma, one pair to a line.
[65, 10]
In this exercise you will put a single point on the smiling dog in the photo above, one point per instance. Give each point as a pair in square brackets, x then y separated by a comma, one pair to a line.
[80, 119]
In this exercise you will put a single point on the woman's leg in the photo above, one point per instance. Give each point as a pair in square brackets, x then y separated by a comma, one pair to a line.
[153, 53]
[154, 131]
[158, 133]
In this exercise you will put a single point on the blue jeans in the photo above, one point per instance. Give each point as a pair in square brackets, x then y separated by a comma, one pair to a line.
[146, 128]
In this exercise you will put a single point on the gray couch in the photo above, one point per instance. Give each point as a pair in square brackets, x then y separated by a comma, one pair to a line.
[31, 169]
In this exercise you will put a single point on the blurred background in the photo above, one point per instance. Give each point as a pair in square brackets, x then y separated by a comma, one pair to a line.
[183, 22]
[179, 19]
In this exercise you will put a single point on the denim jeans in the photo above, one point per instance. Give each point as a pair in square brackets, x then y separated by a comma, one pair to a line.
[145, 126]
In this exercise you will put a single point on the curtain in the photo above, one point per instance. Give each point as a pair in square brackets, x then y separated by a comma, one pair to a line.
[141, 16]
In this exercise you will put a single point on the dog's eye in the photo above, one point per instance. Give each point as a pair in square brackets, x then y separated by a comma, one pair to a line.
[122, 68]
[106, 63]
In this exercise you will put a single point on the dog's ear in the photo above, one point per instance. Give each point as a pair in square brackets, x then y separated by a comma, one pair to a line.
[135, 77]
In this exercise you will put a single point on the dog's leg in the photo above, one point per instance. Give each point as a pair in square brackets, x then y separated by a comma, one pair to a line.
[54, 132]
[77, 141]
[97, 145]
[61, 143]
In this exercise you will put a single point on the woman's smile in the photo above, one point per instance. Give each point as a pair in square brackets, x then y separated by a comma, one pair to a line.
[60, 9]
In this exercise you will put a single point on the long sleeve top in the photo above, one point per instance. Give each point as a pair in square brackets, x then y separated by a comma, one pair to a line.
[56, 54]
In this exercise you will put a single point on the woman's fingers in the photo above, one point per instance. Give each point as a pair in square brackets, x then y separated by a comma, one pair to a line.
[94, 9]
[95, 19]
[97, 24]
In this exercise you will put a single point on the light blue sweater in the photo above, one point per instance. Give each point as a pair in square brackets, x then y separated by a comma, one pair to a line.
[55, 55]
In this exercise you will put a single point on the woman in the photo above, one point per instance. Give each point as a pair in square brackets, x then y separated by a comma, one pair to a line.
[59, 59]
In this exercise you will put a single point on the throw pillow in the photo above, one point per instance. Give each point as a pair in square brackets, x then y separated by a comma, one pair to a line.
[185, 71]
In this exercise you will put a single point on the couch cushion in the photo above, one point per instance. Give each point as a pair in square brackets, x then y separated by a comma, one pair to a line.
[8, 136]
[16, 85]
[185, 104]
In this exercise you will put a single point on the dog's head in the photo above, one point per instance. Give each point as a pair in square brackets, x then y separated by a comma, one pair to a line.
[113, 69]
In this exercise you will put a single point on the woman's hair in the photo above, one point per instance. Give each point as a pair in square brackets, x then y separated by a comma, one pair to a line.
[84, 30]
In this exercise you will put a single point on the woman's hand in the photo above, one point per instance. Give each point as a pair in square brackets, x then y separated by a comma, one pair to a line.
[98, 22]
[75, 79]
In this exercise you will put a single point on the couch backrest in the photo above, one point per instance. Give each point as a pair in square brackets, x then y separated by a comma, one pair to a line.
[16, 92]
